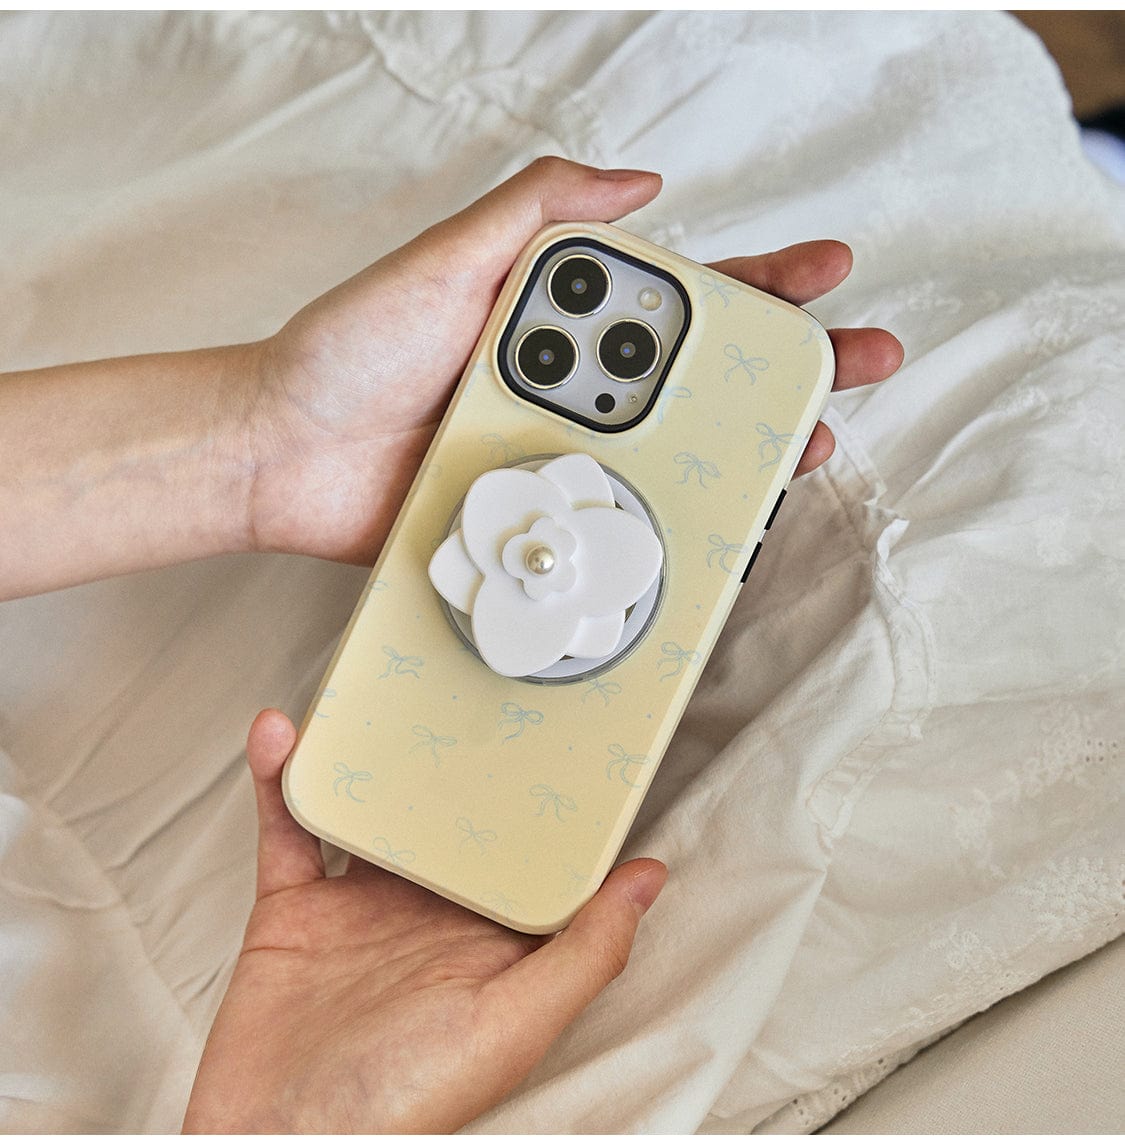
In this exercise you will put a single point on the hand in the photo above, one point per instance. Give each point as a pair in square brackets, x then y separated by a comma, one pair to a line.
[353, 387]
[308, 441]
[364, 1003]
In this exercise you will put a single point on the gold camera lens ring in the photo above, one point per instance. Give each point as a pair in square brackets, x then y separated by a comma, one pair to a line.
[555, 384]
[570, 259]
[641, 376]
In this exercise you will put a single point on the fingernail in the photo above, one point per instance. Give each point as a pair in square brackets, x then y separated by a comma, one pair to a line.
[645, 887]
[622, 175]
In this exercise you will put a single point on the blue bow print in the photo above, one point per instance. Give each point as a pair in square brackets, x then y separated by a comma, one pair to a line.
[751, 366]
[549, 798]
[432, 741]
[722, 549]
[676, 657]
[383, 847]
[693, 465]
[401, 663]
[775, 440]
[606, 689]
[347, 779]
[621, 761]
[481, 837]
[515, 715]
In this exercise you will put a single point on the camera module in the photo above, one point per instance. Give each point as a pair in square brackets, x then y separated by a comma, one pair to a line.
[546, 357]
[628, 350]
[578, 285]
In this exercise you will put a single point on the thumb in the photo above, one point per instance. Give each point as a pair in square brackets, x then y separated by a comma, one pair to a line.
[551, 189]
[554, 984]
[288, 855]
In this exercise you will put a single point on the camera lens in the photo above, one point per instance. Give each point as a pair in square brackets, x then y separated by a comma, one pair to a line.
[546, 357]
[628, 350]
[578, 285]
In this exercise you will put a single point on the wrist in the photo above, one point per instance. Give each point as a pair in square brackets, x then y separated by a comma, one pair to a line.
[123, 465]
[231, 416]
[330, 455]
[196, 450]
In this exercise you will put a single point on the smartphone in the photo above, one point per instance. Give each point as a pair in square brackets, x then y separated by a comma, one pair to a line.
[493, 739]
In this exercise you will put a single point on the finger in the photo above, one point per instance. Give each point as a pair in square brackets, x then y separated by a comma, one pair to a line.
[864, 356]
[287, 854]
[553, 984]
[798, 274]
[496, 227]
[821, 445]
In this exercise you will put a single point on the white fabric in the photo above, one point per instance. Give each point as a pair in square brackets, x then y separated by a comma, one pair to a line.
[1047, 1060]
[897, 795]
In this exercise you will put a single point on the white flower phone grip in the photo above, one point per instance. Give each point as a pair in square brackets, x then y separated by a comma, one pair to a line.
[545, 565]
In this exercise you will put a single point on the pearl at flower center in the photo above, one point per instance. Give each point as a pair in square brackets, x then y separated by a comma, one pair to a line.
[540, 560]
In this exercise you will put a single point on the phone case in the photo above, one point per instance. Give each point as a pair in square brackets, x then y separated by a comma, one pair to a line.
[512, 797]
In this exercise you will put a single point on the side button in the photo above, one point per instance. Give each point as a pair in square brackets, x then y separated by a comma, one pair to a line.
[751, 563]
[773, 514]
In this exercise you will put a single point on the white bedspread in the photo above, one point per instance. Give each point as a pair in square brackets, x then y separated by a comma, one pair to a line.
[897, 795]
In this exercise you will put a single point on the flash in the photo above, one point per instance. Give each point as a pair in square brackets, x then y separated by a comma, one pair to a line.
[650, 299]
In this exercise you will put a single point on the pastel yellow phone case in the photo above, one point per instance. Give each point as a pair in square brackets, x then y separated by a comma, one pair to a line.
[510, 796]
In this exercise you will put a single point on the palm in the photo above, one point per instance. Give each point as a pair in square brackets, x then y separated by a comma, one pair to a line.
[374, 994]
[366, 1003]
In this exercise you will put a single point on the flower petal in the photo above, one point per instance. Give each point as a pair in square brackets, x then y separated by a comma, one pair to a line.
[597, 637]
[454, 574]
[516, 635]
[581, 479]
[503, 503]
[617, 560]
